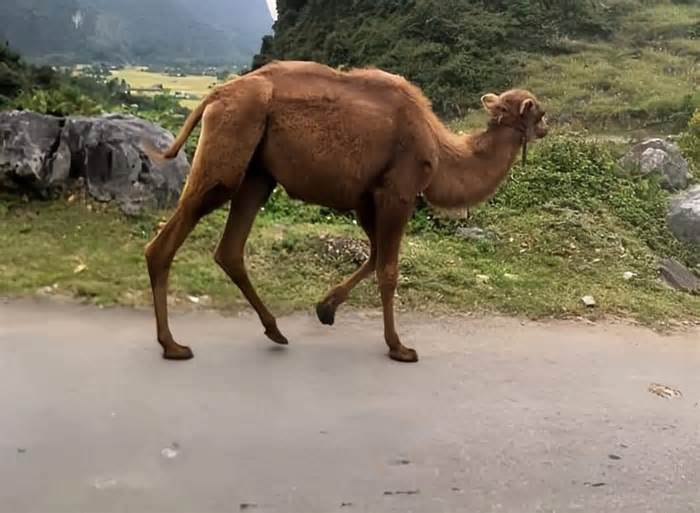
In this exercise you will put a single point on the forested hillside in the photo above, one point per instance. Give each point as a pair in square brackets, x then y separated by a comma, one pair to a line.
[457, 49]
[153, 31]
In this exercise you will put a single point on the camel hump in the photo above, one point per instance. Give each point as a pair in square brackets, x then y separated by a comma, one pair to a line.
[248, 94]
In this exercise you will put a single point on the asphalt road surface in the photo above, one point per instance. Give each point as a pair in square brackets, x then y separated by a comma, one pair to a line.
[498, 416]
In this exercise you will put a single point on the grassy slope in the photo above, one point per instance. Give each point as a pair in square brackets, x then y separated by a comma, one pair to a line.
[641, 82]
[547, 257]
[533, 272]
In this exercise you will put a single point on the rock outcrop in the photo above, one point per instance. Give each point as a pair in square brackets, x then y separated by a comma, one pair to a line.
[678, 276]
[684, 216]
[44, 154]
[657, 156]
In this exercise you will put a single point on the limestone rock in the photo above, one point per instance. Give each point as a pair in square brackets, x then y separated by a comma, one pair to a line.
[657, 156]
[684, 216]
[41, 154]
[678, 276]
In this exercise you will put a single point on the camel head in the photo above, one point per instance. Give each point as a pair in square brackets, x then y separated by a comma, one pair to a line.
[518, 109]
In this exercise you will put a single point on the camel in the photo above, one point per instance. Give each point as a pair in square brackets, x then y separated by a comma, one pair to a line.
[362, 140]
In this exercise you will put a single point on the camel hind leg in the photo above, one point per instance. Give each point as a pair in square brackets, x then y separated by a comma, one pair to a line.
[230, 135]
[159, 256]
[252, 194]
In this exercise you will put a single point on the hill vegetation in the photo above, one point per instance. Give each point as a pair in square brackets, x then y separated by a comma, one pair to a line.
[43, 89]
[618, 64]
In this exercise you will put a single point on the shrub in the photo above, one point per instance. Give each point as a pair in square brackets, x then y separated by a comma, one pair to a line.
[572, 174]
[59, 101]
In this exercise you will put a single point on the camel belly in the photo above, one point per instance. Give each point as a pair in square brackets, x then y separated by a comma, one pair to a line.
[328, 157]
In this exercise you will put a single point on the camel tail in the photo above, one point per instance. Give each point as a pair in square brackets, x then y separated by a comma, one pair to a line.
[192, 120]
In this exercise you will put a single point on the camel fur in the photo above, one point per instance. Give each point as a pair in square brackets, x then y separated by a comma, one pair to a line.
[363, 140]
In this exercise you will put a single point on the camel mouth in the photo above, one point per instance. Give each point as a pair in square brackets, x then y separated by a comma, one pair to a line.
[541, 129]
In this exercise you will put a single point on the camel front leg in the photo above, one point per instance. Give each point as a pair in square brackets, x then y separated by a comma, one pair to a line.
[160, 253]
[392, 216]
[325, 310]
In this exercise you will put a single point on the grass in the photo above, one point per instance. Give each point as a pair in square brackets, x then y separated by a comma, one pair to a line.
[643, 81]
[555, 244]
[195, 85]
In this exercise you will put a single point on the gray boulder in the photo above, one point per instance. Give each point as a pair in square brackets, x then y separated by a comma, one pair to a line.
[684, 216]
[678, 276]
[657, 156]
[32, 152]
[43, 154]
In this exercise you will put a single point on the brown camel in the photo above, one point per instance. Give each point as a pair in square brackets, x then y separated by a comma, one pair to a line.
[363, 140]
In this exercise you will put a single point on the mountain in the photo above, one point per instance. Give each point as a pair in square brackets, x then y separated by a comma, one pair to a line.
[139, 31]
[249, 23]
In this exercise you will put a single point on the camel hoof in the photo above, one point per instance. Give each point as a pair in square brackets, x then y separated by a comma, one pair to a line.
[177, 352]
[277, 337]
[404, 354]
[325, 313]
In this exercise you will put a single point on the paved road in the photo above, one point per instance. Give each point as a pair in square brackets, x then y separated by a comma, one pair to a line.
[499, 416]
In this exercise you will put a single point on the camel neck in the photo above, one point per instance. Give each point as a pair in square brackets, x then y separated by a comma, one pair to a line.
[472, 167]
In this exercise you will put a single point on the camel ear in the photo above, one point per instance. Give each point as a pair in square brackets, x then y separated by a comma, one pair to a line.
[526, 106]
[490, 102]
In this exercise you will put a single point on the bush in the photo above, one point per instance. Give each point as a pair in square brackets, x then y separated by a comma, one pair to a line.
[571, 174]
[46, 90]
[60, 101]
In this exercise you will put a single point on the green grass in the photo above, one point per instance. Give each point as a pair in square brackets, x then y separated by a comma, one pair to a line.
[643, 81]
[568, 226]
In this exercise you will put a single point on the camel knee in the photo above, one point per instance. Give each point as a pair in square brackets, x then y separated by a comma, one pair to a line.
[388, 277]
[232, 265]
[336, 296]
[154, 257]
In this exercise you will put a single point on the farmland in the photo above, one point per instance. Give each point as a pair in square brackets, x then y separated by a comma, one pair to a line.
[194, 86]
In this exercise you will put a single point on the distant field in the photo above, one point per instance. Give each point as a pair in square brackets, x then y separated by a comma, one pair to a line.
[195, 85]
